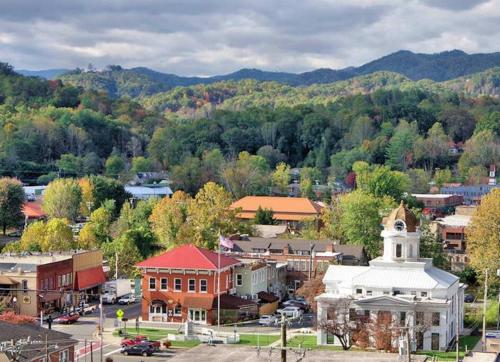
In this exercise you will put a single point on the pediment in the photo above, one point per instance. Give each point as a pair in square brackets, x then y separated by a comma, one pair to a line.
[384, 300]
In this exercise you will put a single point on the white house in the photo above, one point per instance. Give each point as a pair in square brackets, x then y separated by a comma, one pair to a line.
[147, 192]
[417, 295]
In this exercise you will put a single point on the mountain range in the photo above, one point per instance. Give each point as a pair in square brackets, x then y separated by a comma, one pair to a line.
[141, 81]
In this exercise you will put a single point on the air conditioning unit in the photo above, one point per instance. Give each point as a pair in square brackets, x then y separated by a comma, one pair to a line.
[244, 297]
[232, 291]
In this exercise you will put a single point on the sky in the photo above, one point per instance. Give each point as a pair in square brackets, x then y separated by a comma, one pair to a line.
[205, 37]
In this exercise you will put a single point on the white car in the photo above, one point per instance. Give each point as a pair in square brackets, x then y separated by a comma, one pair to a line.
[267, 320]
[290, 312]
[127, 299]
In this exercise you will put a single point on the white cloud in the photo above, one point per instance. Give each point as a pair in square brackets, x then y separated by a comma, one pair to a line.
[204, 37]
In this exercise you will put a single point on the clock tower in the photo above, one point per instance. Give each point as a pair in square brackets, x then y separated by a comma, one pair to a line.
[401, 236]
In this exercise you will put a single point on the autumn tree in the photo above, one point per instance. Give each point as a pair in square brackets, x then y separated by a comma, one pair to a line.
[58, 236]
[62, 199]
[281, 177]
[311, 288]
[32, 235]
[168, 219]
[483, 236]
[248, 175]
[442, 176]
[128, 255]
[11, 203]
[264, 217]
[434, 148]
[331, 218]
[88, 201]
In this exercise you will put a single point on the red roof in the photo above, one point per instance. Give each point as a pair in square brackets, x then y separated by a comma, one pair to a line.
[188, 257]
[89, 278]
[33, 210]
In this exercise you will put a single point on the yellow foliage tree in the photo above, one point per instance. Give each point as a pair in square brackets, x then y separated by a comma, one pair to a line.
[34, 233]
[87, 196]
[58, 236]
[483, 236]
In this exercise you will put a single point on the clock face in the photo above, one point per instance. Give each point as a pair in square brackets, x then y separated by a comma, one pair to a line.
[399, 225]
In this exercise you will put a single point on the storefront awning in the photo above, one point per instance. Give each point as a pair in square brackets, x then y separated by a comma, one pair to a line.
[89, 278]
[198, 301]
[5, 280]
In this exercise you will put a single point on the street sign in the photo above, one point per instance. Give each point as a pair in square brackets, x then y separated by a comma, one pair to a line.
[119, 314]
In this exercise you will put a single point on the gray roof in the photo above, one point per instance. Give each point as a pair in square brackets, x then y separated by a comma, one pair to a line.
[350, 251]
[36, 348]
[14, 266]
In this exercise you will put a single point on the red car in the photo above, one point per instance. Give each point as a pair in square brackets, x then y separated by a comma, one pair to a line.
[127, 342]
[67, 318]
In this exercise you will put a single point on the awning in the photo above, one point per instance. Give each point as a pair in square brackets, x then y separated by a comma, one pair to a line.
[198, 301]
[267, 297]
[89, 278]
[5, 280]
[233, 302]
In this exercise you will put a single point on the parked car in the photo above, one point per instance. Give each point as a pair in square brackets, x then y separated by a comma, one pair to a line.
[142, 349]
[296, 303]
[267, 320]
[127, 342]
[67, 318]
[85, 309]
[291, 311]
[127, 299]
[469, 298]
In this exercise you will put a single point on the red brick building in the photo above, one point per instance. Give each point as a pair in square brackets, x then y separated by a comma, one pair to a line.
[181, 285]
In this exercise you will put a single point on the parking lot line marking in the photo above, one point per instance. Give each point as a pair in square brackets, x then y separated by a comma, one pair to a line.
[112, 352]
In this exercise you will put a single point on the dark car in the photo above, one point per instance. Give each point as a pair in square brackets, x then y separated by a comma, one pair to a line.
[469, 298]
[142, 349]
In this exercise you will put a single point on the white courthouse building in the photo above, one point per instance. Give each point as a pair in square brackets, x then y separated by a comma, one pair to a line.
[418, 296]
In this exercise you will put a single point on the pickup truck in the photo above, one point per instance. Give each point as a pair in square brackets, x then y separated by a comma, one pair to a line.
[86, 309]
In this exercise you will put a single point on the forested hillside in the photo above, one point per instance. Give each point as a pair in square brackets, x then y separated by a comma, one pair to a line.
[236, 133]
[143, 81]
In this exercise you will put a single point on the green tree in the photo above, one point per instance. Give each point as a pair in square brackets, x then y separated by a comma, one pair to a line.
[248, 175]
[361, 221]
[115, 166]
[483, 149]
[434, 148]
[105, 188]
[142, 164]
[331, 218]
[188, 176]
[419, 179]
[281, 177]
[380, 181]
[442, 176]
[399, 152]
[70, 164]
[62, 199]
[306, 188]
[264, 217]
[32, 237]
[128, 255]
[490, 121]
[11, 202]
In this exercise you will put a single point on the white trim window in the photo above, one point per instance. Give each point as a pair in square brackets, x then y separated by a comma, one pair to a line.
[203, 286]
[163, 284]
[64, 356]
[178, 311]
[178, 284]
[191, 285]
[152, 283]
[239, 280]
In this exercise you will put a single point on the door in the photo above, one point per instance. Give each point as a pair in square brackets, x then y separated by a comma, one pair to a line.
[197, 315]
[435, 341]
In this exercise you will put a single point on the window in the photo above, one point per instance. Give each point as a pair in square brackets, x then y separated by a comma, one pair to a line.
[152, 283]
[369, 293]
[399, 249]
[423, 294]
[177, 311]
[420, 340]
[386, 292]
[352, 314]
[330, 338]
[25, 286]
[163, 284]
[64, 356]
[177, 284]
[420, 318]
[203, 285]
[435, 318]
[402, 318]
[367, 313]
[192, 285]
[359, 291]
[239, 280]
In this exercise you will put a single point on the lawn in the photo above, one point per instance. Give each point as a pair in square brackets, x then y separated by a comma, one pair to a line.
[474, 315]
[469, 341]
[152, 334]
[309, 342]
[257, 339]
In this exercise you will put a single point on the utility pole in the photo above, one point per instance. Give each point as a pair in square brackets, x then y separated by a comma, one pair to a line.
[46, 347]
[457, 330]
[283, 338]
[116, 265]
[101, 324]
[484, 310]
[408, 349]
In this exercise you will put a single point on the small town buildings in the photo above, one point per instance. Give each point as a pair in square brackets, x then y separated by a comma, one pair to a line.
[291, 211]
[303, 258]
[184, 284]
[472, 194]
[443, 203]
[30, 342]
[452, 231]
[31, 283]
[400, 287]
[32, 211]
[251, 278]
[150, 191]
